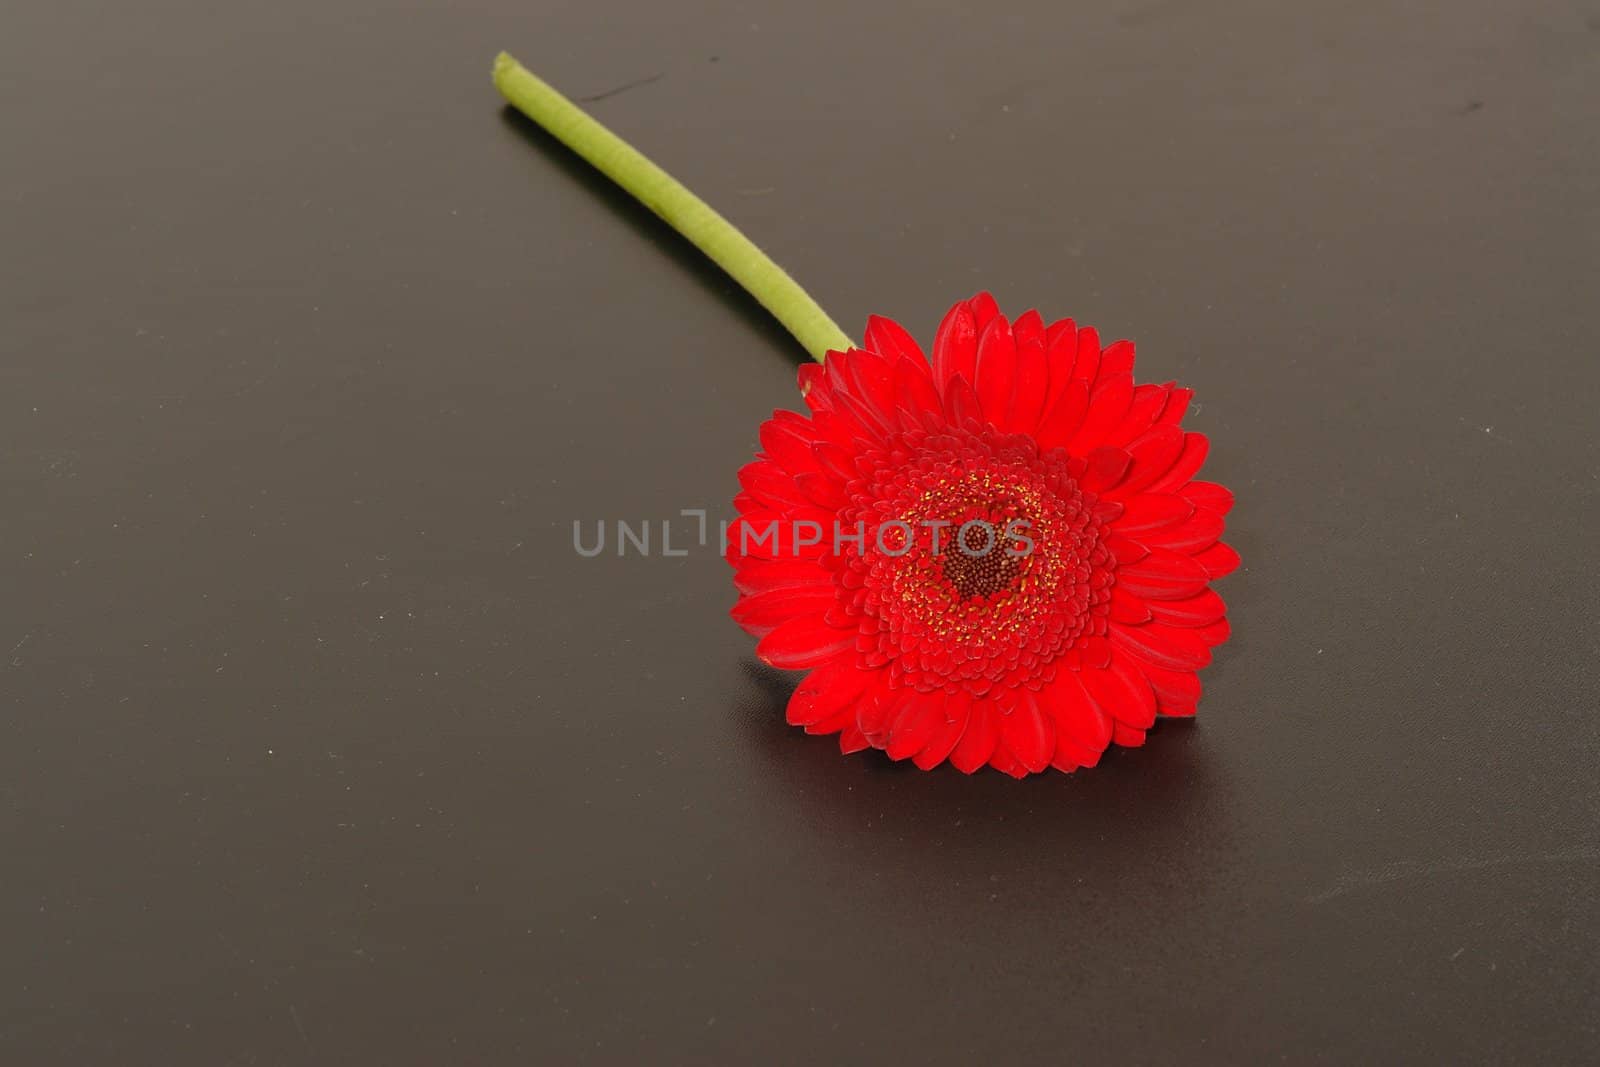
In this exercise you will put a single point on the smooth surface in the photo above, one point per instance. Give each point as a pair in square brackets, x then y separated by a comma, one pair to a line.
[320, 745]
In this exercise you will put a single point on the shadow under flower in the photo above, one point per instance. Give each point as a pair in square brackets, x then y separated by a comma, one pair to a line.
[1157, 816]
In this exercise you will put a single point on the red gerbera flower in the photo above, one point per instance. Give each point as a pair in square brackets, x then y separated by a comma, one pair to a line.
[997, 559]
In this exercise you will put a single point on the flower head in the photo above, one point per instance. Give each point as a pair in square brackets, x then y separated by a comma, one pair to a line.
[997, 558]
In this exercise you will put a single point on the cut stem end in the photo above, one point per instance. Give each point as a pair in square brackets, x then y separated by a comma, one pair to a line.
[686, 213]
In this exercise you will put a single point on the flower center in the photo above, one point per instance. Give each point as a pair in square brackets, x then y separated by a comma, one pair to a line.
[978, 564]
[992, 566]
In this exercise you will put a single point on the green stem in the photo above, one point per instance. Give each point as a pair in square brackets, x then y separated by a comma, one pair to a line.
[676, 205]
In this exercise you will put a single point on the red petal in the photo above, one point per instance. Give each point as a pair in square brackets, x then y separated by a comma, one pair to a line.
[1029, 329]
[1148, 402]
[771, 484]
[961, 403]
[1117, 358]
[957, 709]
[1200, 610]
[1199, 531]
[1215, 633]
[1163, 575]
[1096, 651]
[1149, 511]
[1107, 466]
[814, 388]
[1172, 688]
[756, 575]
[1006, 762]
[1028, 733]
[997, 371]
[873, 374]
[1195, 447]
[1209, 495]
[1108, 511]
[826, 691]
[1177, 405]
[1218, 560]
[1064, 415]
[1082, 729]
[1126, 736]
[835, 460]
[1086, 361]
[978, 741]
[1060, 351]
[855, 419]
[1121, 692]
[1069, 751]
[914, 388]
[1070, 755]
[841, 428]
[768, 535]
[914, 727]
[984, 309]
[1153, 455]
[804, 642]
[832, 724]
[1061, 341]
[880, 706]
[1032, 389]
[955, 347]
[891, 339]
[822, 489]
[1164, 646]
[788, 444]
[869, 381]
[1128, 608]
[765, 612]
[1125, 549]
[1108, 405]
[851, 739]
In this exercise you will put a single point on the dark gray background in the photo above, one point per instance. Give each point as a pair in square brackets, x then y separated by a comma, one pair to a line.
[319, 744]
